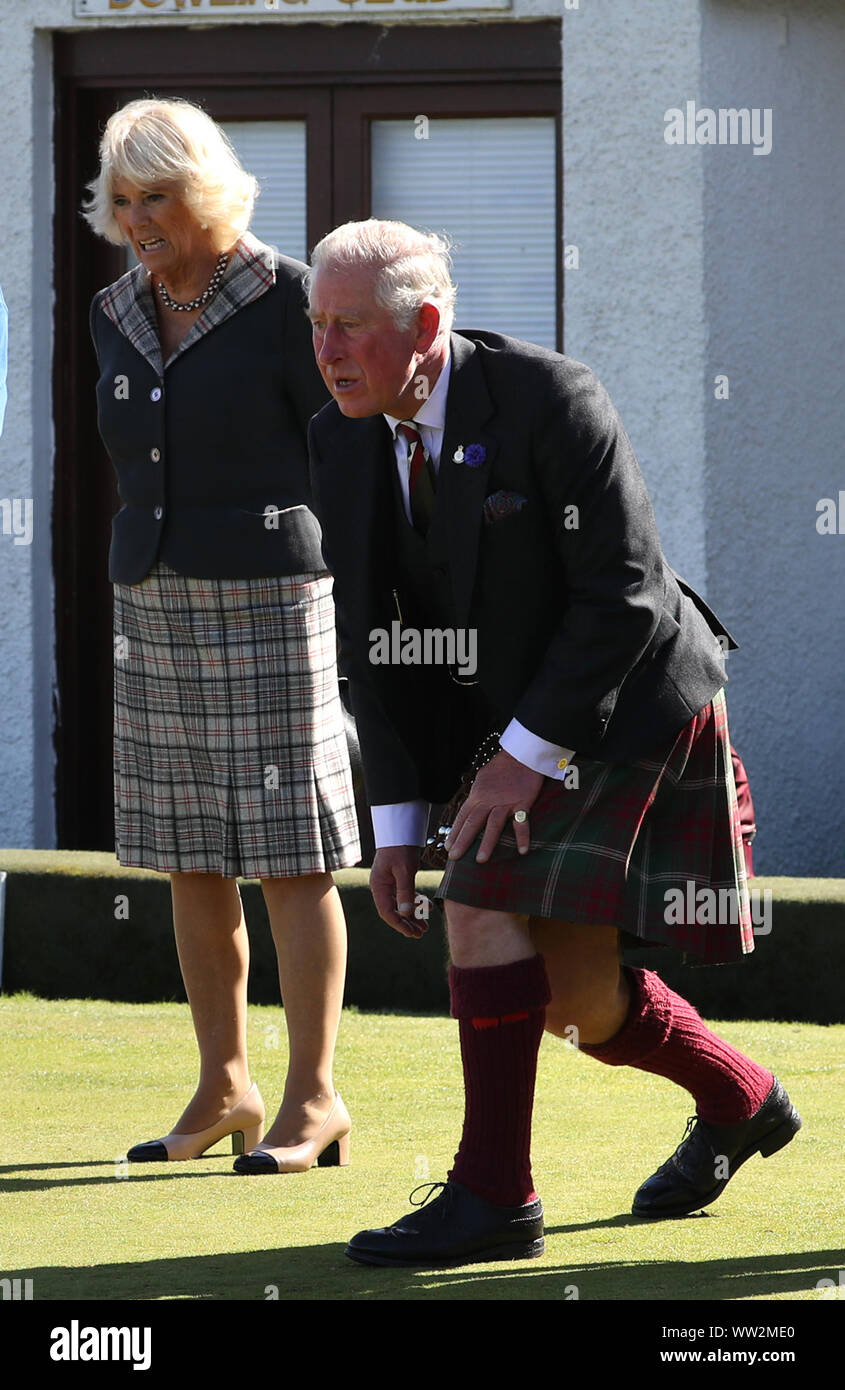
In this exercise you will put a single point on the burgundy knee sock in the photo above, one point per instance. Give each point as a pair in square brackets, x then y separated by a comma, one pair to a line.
[501, 1013]
[665, 1035]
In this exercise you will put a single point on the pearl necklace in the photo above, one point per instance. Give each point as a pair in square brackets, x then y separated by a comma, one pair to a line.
[169, 303]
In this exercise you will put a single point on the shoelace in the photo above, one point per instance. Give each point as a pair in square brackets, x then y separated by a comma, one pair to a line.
[430, 1188]
[692, 1121]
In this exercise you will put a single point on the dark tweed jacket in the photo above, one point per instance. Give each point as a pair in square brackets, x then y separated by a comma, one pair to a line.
[205, 443]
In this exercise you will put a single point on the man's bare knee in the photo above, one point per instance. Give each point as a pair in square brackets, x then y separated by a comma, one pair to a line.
[479, 936]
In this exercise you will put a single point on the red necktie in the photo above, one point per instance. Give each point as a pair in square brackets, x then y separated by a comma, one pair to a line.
[421, 480]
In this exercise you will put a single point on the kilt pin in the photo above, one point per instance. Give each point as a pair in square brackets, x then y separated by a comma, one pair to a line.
[590, 642]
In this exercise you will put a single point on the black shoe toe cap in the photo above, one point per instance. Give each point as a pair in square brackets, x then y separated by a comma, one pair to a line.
[255, 1163]
[152, 1152]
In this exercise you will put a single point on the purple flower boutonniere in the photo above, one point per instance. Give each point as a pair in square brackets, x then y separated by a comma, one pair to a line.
[473, 455]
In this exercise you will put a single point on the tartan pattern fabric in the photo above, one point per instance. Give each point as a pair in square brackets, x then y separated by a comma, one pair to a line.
[230, 750]
[129, 301]
[619, 849]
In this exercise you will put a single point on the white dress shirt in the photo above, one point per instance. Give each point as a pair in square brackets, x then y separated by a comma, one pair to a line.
[405, 822]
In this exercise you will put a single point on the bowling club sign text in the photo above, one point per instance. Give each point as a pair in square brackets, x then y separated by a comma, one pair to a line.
[273, 9]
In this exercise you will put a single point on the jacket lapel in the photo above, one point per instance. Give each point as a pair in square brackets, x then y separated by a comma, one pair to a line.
[468, 451]
[249, 274]
[129, 301]
[129, 305]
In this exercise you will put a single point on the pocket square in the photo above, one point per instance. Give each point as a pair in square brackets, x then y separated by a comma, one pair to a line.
[500, 505]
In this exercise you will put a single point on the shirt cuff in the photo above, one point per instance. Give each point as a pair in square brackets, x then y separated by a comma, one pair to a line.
[402, 823]
[535, 752]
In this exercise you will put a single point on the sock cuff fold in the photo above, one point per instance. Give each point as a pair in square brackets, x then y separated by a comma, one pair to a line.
[647, 1024]
[491, 991]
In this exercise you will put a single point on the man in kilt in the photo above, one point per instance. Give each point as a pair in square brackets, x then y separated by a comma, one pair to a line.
[474, 484]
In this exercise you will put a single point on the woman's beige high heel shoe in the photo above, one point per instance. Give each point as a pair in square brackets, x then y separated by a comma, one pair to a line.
[328, 1149]
[245, 1123]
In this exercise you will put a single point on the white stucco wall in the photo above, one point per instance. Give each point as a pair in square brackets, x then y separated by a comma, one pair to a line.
[634, 308]
[705, 260]
[775, 306]
[27, 639]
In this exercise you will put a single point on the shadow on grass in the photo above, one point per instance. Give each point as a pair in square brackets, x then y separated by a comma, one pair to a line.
[321, 1272]
[130, 1172]
[45, 1167]
[165, 1172]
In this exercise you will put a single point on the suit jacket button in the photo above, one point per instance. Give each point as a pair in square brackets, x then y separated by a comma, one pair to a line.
[158, 513]
[155, 394]
[155, 455]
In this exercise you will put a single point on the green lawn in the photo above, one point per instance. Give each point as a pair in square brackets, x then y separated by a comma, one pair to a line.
[84, 1080]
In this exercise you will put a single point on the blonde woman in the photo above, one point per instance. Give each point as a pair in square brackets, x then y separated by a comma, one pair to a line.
[230, 754]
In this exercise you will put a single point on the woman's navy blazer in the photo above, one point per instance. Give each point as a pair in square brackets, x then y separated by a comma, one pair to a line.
[210, 448]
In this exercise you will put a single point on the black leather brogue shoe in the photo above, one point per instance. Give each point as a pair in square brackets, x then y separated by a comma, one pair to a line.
[456, 1228]
[709, 1155]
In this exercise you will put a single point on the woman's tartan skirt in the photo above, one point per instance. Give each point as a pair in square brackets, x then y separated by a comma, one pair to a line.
[230, 754]
[653, 848]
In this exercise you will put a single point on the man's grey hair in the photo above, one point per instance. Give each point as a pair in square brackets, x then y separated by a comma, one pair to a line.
[410, 267]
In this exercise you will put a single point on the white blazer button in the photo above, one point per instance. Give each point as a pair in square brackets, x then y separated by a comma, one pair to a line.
[155, 455]
[158, 513]
[155, 394]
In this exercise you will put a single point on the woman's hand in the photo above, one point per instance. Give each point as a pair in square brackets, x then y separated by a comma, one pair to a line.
[392, 886]
[502, 787]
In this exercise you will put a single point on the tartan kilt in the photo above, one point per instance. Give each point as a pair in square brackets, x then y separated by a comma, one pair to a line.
[631, 846]
[230, 754]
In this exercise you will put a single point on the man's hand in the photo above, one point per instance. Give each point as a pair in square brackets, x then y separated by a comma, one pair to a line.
[502, 787]
[392, 886]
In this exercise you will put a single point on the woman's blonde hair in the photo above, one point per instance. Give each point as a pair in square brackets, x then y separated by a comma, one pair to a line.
[172, 142]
